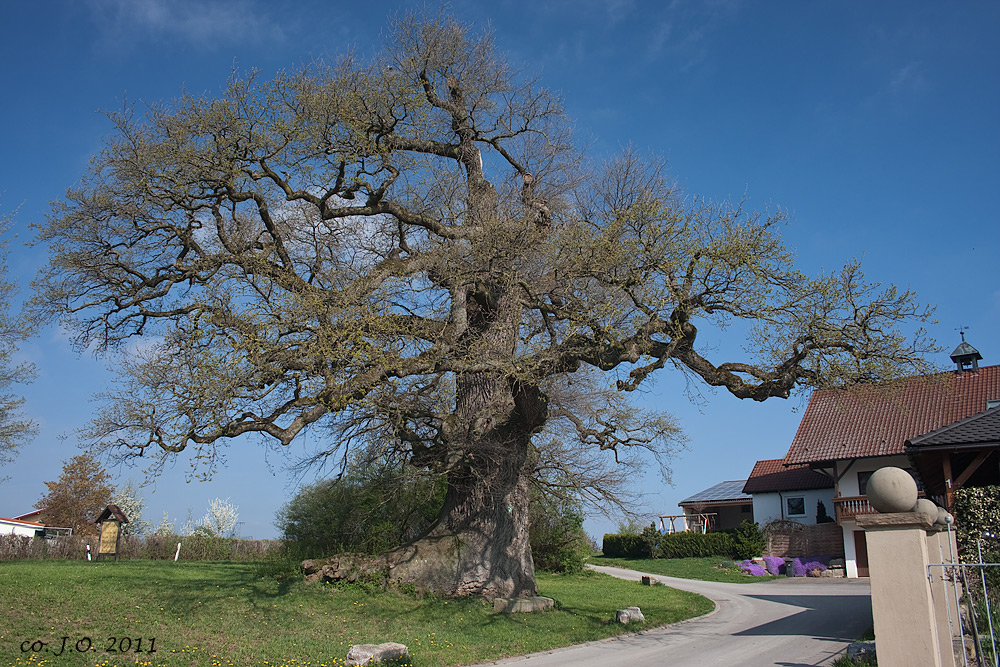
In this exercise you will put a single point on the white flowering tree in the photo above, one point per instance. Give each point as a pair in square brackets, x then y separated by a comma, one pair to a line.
[132, 504]
[166, 526]
[221, 518]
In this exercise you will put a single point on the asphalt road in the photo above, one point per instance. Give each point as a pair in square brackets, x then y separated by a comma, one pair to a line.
[796, 622]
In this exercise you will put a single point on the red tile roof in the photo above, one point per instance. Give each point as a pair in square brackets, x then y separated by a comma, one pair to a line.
[772, 476]
[876, 420]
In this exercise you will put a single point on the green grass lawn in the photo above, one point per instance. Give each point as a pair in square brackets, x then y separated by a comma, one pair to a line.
[228, 614]
[712, 568]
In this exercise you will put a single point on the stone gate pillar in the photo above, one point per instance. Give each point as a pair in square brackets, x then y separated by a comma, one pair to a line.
[910, 608]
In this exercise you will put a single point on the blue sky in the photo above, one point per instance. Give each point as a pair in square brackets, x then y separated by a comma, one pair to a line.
[875, 125]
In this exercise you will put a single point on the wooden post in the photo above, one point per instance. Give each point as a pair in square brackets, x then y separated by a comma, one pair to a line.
[949, 491]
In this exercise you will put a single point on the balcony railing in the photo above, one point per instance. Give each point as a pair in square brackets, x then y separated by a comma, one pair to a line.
[848, 507]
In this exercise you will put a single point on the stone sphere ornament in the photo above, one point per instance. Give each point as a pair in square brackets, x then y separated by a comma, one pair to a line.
[927, 508]
[892, 490]
[944, 517]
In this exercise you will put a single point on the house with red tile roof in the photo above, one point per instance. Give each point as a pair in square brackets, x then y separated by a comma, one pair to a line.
[847, 434]
[21, 528]
[793, 492]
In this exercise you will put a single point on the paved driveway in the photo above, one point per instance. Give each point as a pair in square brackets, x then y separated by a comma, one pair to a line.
[796, 622]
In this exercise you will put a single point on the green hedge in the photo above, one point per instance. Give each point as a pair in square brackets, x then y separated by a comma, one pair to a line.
[672, 545]
[624, 546]
[696, 545]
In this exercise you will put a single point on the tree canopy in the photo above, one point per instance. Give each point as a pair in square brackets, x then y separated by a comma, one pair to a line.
[15, 428]
[413, 253]
[78, 496]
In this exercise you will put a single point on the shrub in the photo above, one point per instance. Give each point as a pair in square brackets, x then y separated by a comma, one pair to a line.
[150, 547]
[619, 545]
[374, 507]
[651, 539]
[696, 545]
[558, 540]
[749, 542]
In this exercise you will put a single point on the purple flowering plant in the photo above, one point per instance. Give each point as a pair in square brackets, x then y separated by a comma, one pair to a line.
[752, 568]
[774, 565]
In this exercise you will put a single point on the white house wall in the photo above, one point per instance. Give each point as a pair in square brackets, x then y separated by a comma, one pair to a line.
[849, 487]
[7, 528]
[849, 479]
[768, 507]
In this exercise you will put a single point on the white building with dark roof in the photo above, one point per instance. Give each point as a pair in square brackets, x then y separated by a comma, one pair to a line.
[718, 507]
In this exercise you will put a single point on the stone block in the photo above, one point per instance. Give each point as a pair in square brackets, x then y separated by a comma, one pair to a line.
[629, 614]
[522, 605]
[362, 654]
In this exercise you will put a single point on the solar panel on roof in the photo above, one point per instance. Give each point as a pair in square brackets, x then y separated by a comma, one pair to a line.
[732, 490]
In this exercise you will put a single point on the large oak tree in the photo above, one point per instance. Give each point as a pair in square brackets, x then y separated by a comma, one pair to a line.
[412, 252]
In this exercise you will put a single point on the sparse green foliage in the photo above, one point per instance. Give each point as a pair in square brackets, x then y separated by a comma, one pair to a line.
[82, 491]
[15, 428]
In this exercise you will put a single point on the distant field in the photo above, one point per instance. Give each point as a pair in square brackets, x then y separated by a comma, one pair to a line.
[704, 569]
[205, 613]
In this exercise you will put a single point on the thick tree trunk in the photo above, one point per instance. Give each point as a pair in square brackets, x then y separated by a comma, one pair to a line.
[479, 544]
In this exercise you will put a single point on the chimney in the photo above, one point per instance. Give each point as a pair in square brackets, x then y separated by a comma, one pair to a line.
[965, 356]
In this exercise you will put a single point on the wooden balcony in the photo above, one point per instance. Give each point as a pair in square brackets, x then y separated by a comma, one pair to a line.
[848, 507]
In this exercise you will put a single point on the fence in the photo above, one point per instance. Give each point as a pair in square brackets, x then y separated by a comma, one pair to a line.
[972, 591]
[787, 539]
[153, 547]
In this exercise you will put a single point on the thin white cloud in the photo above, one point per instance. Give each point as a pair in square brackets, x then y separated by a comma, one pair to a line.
[907, 79]
[204, 22]
[659, 39]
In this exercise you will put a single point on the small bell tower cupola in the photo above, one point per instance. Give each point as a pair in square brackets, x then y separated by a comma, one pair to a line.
[965, 356]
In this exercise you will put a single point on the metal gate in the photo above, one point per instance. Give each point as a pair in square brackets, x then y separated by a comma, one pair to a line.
[972, 591]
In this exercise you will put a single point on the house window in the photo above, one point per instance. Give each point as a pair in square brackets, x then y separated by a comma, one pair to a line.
[795, 506]
[863, 478]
